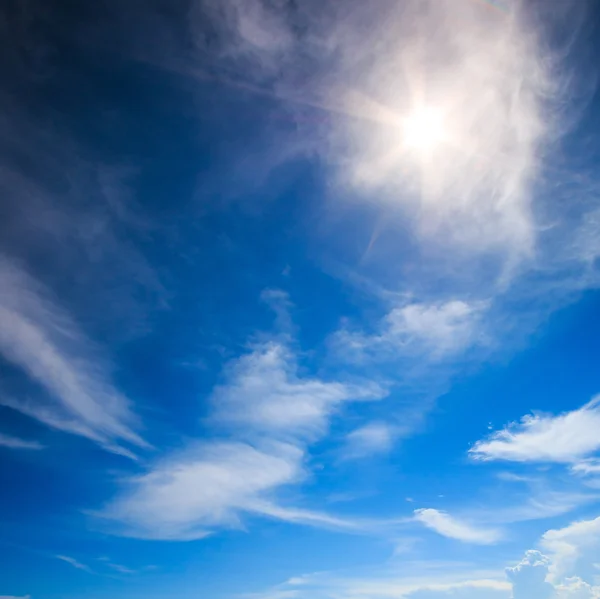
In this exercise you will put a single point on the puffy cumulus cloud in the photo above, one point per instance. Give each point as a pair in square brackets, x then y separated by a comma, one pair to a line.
[565, 438]
[575, 588]
[528, 577]
[535, 576]
[39, 338]
[575, 549]
[434, 330]
[264, 394]
[16, 443]
[453, 528]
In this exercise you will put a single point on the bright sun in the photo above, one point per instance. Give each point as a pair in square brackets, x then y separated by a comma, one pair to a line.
[424, 130]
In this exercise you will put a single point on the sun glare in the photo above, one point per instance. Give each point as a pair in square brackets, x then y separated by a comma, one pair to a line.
[424, 130]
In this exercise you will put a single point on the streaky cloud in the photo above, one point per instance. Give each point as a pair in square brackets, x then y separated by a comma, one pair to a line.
[565, 438]
[44, 342]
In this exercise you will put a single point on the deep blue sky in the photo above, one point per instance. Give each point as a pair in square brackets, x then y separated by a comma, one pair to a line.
[299, 300]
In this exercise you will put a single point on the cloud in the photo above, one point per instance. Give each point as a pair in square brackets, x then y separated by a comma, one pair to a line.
[565, 438]
[73, 562]
[264, 394]
[474, 189]
[15, 597]
[528, 577]
[574, 549]
[585, 467]
[16, 443]
[542, 503]
[271, 413]
[532, 577]
[371, 439]
[210, 485]
[120, 568]
[450, 527]
[431, 581]
[43, 341]
[575, 588]
[416, 330]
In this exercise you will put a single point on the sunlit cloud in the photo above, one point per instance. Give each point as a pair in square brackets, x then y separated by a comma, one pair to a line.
[453, 528]
[271, 414]
[418, 330]
[264, 393]
[565, 438]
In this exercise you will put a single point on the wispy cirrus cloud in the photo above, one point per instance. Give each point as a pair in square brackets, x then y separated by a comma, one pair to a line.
[73, 562]
[371, 439]
[17, 443]
[453, 528]
[42, 340]
[264, 394]
[271, 412]
[187, 495]
[565, 438]
[417, 330]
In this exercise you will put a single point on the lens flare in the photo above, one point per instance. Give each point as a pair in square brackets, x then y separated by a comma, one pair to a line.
[424, 130]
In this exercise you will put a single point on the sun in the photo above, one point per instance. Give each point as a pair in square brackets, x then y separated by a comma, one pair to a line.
[424, 130]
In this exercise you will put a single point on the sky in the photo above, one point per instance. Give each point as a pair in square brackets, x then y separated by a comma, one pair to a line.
[299, 299]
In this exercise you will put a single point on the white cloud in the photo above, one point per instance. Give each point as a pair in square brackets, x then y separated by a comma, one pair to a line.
[73, 562]
[371, 439]
[433, 331]
[16, 443]
[39, 338]
[565, 438]
[453, 528]
[574, 549]
[531, 578]
[15, 597]
[208, 486]
[265, 394]
[585, 467]
[474, 188]
[528, 577]
[272, 413]
[422, 581]
[575, 588]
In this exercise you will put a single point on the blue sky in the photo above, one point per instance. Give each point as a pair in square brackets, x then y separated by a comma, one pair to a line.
[299, 300]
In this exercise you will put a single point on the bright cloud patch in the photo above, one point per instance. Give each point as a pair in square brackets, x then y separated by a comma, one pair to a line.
[463, 144]
[419, 330]
[575, 549]
[565, 438]
[450, 527]
[211, 485]
[264, 394]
